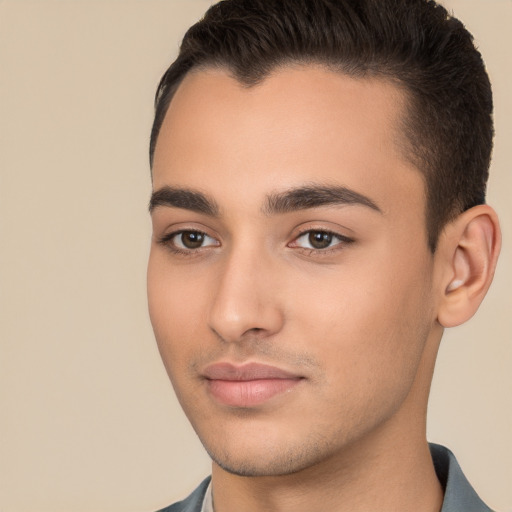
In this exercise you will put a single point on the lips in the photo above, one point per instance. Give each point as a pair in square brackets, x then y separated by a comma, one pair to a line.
[248, 385]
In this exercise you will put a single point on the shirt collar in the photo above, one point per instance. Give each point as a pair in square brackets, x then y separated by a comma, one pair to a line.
[208, 500]
[458, 493]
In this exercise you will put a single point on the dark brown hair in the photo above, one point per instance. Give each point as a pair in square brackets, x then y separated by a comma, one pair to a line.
[416, 44]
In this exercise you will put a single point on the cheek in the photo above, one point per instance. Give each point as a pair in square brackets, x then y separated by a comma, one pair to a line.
[369, 324]
[175, 307]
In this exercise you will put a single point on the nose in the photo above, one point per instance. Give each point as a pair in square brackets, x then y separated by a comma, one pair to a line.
[246, 301]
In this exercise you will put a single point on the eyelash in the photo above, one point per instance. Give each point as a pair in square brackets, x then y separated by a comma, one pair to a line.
[343, 241]
[167, 241]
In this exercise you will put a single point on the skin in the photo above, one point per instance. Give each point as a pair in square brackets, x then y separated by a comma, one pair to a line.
[357, 322]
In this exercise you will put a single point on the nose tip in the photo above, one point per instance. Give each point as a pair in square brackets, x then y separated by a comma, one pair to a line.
[245, 305]
[239, 326]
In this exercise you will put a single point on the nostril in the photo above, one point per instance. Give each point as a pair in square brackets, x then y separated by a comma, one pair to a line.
[254, 331]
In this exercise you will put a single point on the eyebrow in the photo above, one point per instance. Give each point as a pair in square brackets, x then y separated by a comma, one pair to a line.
[315, 196]
[186, 199]
[301, 198]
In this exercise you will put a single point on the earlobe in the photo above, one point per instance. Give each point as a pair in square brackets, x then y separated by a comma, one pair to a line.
[469, 252]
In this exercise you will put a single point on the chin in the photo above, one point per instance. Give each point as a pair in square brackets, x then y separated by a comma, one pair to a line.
[263, 468]
[268, 461]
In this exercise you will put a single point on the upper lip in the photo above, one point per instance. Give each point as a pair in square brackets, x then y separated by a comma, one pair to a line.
[245, 372]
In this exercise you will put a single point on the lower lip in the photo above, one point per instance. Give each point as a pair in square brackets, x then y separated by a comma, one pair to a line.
[249, 393]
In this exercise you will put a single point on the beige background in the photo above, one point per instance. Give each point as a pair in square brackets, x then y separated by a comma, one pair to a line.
[88, 421]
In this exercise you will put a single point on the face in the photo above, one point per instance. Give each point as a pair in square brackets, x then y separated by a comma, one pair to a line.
[290, 279]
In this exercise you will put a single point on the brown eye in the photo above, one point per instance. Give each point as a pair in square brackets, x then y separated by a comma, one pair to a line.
[320, 239]
[188, 241]
[191, 239]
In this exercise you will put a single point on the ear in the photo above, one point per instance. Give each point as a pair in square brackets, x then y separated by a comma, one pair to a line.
[468, 251]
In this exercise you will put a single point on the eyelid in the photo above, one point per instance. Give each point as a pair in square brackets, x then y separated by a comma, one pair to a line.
[167, 241]
[169, 230]
[342, 243]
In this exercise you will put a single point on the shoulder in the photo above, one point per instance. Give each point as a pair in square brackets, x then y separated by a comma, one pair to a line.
[193, 503]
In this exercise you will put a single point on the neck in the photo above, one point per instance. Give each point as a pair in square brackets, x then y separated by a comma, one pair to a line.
[399, 479]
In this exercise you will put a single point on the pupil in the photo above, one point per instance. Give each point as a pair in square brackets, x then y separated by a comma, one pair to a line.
[192, 239]
[320, 239]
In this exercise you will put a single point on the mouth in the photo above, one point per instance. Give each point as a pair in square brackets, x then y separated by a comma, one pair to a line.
[248, 385]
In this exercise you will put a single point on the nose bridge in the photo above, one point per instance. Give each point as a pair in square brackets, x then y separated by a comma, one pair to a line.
[243, 300]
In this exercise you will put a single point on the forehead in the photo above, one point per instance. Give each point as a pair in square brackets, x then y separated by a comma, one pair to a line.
[300, 124]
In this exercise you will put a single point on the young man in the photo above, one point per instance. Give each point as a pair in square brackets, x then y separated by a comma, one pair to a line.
[319, 171]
